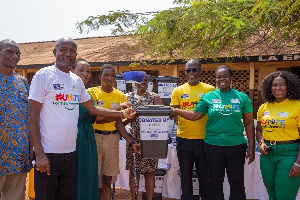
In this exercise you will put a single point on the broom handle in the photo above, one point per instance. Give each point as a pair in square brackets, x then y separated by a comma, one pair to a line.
[133, 153]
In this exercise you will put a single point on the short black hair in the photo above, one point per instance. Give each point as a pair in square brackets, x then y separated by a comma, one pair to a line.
[106, 66]
[292, 82]
[224, 67]
[194, 62]
[78, 60]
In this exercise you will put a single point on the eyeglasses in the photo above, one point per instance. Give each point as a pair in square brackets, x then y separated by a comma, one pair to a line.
[194, 70]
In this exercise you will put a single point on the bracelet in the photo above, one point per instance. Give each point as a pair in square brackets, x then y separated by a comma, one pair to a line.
[124, 114]
[297, 164]
[131, 143]
[259, 144]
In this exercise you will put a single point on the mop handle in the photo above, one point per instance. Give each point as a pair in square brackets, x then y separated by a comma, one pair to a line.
[133, 106]
[133, 138]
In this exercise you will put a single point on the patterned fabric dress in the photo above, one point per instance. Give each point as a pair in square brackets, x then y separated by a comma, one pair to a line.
[142, 165]
[14, 134]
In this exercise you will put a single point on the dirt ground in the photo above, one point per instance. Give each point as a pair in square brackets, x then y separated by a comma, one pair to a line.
[120, 194]
[125, 194]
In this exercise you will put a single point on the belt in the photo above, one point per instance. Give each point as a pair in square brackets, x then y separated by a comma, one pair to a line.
[105, 132]
[282, 142]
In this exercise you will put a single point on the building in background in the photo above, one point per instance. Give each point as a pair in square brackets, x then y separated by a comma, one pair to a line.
[248, 70]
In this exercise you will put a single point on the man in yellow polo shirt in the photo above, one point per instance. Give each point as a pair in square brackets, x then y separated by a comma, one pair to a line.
[190, 134]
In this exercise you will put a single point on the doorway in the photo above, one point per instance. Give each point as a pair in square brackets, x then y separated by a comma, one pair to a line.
[296, 70]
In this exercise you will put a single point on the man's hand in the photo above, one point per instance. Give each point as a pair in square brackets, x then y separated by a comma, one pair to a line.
[43, 164]
[173, 115]
[130, 113]
[125, 105]
[30, 155]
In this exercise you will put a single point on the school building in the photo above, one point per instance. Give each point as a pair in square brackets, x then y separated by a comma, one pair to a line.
[249, 70]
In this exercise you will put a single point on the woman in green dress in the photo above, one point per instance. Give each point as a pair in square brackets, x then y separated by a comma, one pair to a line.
[86, 149]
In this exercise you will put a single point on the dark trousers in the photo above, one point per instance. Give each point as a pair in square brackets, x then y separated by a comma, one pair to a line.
[61, 183]
[190, 152]
[231, 158]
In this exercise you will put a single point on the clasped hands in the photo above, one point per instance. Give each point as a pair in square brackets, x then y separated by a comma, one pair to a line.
[130, 113]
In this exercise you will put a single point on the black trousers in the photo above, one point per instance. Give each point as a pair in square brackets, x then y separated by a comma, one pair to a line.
[190, 152]
[61, 183]
[231, 158]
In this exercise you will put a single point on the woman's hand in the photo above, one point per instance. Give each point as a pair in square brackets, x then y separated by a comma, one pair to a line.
[250, 155]
[189, 115]
[136, 148]
[295, 171]
[263, 148]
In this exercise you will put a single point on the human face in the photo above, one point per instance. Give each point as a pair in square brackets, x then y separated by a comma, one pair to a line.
[279, 89]
[223, 79]
[108, 77]
[83, 70]
[143, 86]
[192, 73]
[9, 56]
[65, 54]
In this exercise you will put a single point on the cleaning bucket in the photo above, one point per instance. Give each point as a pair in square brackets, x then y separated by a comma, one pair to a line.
[154, 130]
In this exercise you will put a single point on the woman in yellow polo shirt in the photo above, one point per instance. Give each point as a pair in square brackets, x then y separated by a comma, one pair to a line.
[278, 122]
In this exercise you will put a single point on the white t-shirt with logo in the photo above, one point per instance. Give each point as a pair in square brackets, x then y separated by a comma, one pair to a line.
[60, 93]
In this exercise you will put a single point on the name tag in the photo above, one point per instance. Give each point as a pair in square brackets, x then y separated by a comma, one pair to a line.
[282, 114]
[234, 100]
[112, 104]
[185, 96]
[216, 100]
[266, 114]
[58, 86]
[100, 103]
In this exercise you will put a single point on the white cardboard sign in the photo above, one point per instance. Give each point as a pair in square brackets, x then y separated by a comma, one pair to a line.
[154, 127]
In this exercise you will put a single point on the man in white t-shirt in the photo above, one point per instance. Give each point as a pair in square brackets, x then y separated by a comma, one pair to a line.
[54, 98]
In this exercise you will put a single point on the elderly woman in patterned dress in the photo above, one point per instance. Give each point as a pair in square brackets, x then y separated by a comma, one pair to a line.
[147, 167]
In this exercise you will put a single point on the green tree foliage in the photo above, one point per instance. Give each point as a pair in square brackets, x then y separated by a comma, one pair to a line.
[207, 28]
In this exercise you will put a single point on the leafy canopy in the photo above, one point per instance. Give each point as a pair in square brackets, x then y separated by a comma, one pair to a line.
[206, 28]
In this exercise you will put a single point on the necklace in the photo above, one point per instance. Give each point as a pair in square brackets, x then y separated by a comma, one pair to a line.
[139, 98]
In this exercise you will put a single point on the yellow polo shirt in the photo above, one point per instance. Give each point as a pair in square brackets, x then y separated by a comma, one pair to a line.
[280, 121]
[106, 100]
